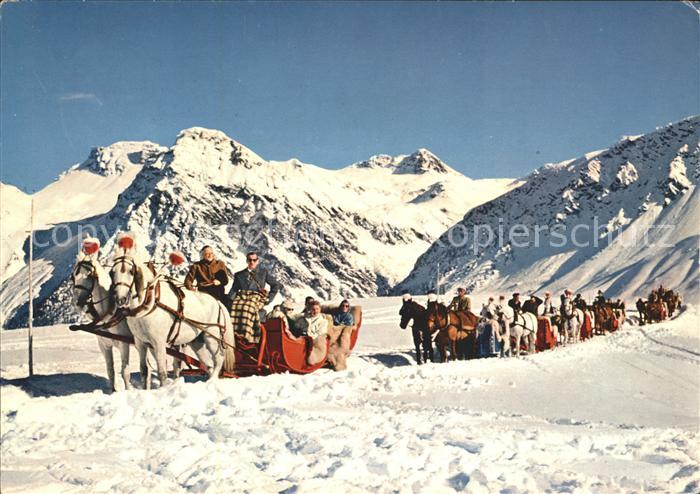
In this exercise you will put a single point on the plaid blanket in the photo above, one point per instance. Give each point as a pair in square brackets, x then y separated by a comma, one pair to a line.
[245, 314]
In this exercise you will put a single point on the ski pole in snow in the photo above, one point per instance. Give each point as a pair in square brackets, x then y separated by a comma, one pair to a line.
[31, 291]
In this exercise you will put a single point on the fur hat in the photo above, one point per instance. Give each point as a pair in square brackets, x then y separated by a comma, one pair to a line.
[432, 297]
[406, 297]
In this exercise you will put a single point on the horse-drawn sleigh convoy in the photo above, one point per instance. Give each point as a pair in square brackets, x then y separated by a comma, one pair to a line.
[512, 328]
[133, 303]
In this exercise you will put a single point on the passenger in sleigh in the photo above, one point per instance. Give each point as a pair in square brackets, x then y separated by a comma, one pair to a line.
[315, 325]
[343, 317]
[547, 305]
[532, 304]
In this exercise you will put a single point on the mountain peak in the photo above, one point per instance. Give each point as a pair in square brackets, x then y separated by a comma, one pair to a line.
[197, 143]
[116, 158]
[421, 161]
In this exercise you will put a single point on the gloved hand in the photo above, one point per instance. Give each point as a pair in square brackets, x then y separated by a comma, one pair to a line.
[216, 283]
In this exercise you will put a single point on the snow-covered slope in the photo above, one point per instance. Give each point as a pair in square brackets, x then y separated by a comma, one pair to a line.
[86, 189]
[354, 231]
[14, 222]
[614, 414]
[631, 209]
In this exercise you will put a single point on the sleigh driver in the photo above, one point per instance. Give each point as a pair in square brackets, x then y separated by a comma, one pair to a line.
[461, 302]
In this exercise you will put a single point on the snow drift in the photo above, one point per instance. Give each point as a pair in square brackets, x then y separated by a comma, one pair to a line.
[614, 414]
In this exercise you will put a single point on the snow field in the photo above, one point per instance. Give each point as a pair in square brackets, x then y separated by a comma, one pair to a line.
[615, 414]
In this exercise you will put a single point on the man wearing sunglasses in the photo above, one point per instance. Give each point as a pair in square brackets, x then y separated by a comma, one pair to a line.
[343, 317]
[255, 278]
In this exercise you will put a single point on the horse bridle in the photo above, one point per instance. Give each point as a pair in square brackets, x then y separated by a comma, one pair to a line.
[441, 308]
[123, 261]
[93, 275]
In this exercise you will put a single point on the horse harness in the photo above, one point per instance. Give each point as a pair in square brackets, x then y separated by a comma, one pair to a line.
[153, 295]
[446, 314]
[522, 324]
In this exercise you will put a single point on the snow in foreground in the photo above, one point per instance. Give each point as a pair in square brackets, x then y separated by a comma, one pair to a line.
[619, 413]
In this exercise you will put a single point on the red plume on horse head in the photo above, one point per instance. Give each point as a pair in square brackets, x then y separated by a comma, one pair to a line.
[125, 241]
[177, 258]
[90, 245]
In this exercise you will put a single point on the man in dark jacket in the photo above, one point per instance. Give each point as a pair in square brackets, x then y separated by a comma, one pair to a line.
[208, 275]
[580, 303]
[254, 278]
[515, 304]
[532, 305]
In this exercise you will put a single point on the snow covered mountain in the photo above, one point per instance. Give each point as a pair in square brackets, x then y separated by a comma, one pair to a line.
[623, 220]
[86, 189]
[349, 232]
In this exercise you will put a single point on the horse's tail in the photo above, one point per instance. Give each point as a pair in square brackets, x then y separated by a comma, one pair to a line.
[229, 341]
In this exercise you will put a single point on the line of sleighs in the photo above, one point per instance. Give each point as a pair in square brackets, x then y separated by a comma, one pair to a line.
[507, 329]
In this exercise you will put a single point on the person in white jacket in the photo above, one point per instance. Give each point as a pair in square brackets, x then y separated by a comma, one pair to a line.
[315, 326]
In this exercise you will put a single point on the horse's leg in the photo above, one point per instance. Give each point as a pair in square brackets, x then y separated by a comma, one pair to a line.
[442, 347]
[217, 355]
[160, 354]
[177, 363]
[417, 342]
[124, 361]
[427, 346]
[143, 363]
[106, 349]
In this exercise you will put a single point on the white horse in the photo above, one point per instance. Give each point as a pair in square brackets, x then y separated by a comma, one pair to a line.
[91, 284]
[573, 320]
[524, 325]
[158, 318]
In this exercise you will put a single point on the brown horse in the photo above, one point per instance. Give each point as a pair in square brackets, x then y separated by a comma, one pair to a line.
[655, 311]
[453, 327]
[604, 318]
[672, 300]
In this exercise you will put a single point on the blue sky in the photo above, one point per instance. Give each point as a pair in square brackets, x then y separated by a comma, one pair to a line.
[494, 89]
